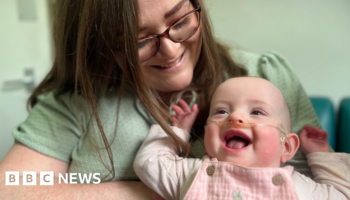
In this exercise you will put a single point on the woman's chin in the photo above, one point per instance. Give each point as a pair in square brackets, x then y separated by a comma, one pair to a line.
[177, 84]
[175, 87]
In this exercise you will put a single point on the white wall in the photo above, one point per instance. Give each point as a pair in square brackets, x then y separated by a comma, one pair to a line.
[25, 42]
[313, 35]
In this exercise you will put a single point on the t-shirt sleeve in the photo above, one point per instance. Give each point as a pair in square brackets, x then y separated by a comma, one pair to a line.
[277, 70]
[53, 126]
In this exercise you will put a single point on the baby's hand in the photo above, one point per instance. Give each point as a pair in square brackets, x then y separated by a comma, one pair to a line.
[184, 116]
[313, 140]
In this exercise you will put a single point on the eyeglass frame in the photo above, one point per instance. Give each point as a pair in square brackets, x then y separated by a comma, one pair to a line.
[166, 32]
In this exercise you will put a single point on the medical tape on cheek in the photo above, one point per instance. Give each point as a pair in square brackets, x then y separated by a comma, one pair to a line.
[283, 135]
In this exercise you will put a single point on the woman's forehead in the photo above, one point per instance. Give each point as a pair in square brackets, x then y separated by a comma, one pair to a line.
[161, 9]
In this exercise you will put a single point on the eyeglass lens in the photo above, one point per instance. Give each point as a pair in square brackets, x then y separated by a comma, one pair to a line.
[180, 31]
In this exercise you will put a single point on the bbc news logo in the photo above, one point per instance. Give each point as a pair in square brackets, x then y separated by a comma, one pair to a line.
[47, 178]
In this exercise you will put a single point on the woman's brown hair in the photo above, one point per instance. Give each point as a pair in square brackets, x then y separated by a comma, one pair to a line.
[97, 53]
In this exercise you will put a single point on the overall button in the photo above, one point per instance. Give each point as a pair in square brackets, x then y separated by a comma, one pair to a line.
[210, 170]
[277, 180]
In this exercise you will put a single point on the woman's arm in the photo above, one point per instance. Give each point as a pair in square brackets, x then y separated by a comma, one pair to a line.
[21, 158]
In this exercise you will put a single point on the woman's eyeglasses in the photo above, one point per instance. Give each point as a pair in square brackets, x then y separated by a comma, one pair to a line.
[179, 31]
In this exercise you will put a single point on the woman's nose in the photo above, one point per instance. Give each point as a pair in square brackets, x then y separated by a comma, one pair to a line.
[168, 49]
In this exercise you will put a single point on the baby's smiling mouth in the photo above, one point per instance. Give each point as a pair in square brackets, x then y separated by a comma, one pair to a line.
[235, 139]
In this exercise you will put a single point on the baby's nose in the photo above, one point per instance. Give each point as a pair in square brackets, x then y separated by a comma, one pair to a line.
[239, 121]
[236, 117]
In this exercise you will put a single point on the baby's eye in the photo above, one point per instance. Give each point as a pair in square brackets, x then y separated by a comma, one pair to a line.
[221, 112]
[257, 112]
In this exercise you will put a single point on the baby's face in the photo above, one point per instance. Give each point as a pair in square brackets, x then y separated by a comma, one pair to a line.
[246, 100]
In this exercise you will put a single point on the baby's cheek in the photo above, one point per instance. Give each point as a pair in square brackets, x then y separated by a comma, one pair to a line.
[270, 151]
[210, 141]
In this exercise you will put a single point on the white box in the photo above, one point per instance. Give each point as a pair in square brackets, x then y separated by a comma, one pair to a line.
[29, 178]
[12, 178]
[46, 178]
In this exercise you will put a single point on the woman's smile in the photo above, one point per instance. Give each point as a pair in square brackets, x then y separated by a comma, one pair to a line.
[173, 65]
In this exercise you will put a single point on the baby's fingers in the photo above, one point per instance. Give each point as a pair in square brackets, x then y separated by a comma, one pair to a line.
[312, 133]
[184, 106]
[190, 118]
[322, 135]
[195, 109]
[178, 112]
[307, 127]
[303, 133]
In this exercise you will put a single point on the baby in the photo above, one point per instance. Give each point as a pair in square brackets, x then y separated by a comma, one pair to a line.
[247, 139]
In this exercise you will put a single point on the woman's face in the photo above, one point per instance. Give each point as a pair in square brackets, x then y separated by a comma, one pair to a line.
[171, 68]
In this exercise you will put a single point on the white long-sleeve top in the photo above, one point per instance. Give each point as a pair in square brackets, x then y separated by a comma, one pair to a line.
[158, 165]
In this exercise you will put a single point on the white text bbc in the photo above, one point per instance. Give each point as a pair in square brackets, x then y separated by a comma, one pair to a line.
[47, 178]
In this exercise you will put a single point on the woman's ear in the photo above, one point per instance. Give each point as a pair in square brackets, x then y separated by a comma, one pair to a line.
[290, 148]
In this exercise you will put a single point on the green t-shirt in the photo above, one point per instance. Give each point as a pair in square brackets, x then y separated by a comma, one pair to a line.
[61, 127]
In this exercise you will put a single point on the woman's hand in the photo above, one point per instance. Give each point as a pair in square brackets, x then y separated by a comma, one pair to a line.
[313, 140]
[184, 116]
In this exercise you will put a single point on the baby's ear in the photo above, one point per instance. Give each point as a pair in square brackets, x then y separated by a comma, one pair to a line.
[290, 148]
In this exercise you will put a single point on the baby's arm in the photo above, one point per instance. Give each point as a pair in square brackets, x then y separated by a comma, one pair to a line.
[313, 140]
[331, 176]
[184, 117]
[158, 165]
[331, 171]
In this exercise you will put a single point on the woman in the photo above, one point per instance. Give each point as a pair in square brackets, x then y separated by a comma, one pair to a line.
[113, 77]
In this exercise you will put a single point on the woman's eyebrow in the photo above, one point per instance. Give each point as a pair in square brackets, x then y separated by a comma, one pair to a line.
[142, 28]
[176, 8]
